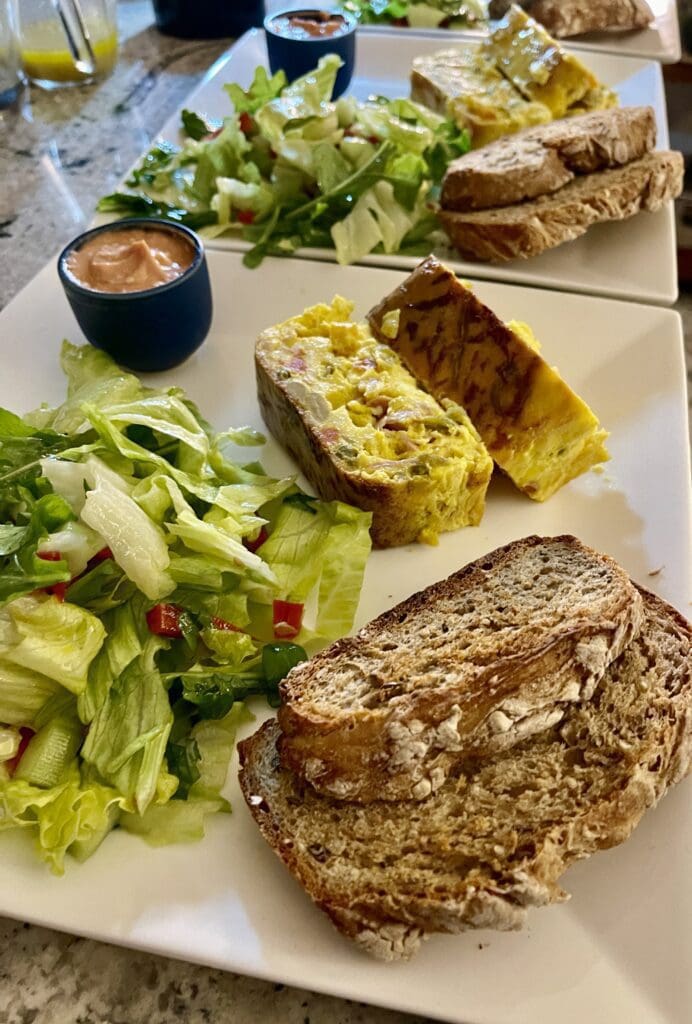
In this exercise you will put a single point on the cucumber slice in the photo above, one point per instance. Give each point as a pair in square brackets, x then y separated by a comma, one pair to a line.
[50, 753]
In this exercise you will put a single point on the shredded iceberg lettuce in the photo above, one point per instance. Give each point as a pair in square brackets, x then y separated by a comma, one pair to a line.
[291, 168]
[139, 569]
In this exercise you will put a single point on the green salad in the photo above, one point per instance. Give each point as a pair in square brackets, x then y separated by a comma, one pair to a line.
[451, 14]
[290, 168]
[148, 586]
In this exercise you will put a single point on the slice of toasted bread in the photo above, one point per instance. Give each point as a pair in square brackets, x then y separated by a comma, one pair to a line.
[464, 668]
[564, 18]
[523, 230]
[541, 160]
[535, 427]
[495, 839]
[362, 431]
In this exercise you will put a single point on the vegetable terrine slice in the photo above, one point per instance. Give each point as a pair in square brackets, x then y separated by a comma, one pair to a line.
[535, 427]
[464, 85]
[362, 430]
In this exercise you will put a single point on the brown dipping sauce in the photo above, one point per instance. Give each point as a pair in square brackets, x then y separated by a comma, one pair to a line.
[310, 25]
[130, 260]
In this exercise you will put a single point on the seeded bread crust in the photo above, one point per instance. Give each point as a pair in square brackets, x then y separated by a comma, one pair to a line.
[541, 160]
[496, 838]
[523, 230]
[465, 668]
[565, 18]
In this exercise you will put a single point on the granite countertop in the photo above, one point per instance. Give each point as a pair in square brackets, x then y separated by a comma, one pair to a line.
[58, 153]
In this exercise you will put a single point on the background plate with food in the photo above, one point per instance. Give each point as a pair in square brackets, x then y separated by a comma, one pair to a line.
[613, 259]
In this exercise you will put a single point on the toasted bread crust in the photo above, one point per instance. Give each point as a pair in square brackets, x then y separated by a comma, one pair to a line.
[564, 18]
[524, 230]
[387, 714]
[495, 840]
[542, 160]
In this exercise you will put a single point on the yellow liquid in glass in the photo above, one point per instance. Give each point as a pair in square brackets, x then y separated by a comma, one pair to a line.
[46, 57]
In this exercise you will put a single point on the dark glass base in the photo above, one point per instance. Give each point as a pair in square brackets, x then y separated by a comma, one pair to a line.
[207, 19]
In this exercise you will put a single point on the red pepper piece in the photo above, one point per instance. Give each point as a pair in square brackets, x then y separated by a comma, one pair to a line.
[247, 123]
[25, 734]
[223, 624]
[259, 540]
[245, 217]
[287, 617]
[101, 556]
[164, 620]
[49, 556]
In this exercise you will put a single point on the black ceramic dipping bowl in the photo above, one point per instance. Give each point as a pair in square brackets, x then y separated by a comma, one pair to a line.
[148, 330]
[296, 56]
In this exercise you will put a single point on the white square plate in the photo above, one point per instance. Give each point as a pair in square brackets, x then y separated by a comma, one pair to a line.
[621, 949]
[632, 259]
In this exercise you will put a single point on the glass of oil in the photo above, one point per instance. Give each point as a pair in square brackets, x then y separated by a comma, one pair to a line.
[10, 81]
[66, 42]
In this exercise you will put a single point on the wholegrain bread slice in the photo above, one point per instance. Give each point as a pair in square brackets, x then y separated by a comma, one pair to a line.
[496, 839]
[523, 230]
[564, 18]
[541, 160]
[467, 667]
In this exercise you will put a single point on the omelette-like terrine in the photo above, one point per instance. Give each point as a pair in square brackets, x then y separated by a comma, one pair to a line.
[363, 432]
[535, 427]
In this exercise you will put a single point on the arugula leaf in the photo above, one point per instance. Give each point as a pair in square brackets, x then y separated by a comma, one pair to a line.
[183, 760]
[194, 126]
[214, 692]
[159, 157]
[139, 205]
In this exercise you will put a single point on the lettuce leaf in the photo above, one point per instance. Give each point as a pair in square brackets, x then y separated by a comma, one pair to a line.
[128, 735]
[183, 820]
[71, 813]
[55, 639]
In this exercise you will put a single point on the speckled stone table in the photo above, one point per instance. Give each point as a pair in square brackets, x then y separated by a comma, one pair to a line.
[58, 153]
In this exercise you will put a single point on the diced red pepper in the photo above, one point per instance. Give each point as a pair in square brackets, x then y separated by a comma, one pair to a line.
[49, 556]
[218, 623]
[287, 618]
[245, 217]
[101, 556]
[164, 620]
[253, 545]
[25, 734]
[247, 123]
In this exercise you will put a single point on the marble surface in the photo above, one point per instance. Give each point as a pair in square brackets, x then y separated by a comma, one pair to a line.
[58, 153]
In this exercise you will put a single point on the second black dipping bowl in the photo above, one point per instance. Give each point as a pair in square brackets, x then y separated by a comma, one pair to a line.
[149, 330]
[297, 56]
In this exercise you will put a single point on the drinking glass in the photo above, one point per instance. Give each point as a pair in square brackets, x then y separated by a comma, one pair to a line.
[66, 42]
[10, 83]
[208, 19]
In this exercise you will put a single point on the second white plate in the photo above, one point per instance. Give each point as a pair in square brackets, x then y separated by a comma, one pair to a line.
[633, 259]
